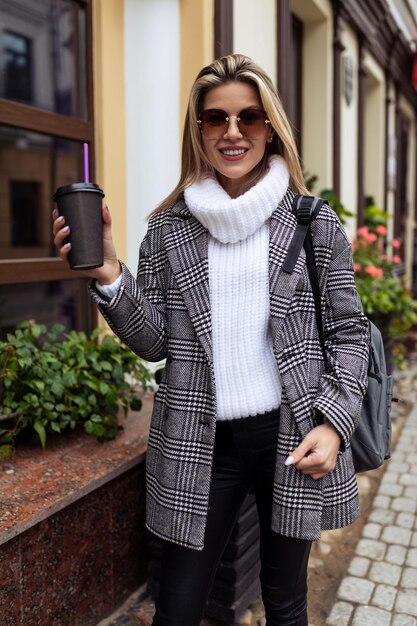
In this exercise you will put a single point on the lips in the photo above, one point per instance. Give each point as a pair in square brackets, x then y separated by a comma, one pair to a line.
[233, 151]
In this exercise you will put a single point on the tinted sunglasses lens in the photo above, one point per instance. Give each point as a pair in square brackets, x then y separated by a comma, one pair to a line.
[252, 121]
[213, 122]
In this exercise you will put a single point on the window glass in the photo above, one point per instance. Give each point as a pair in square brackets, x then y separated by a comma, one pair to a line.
[32, 166]
[43, 55]
[56, 302]
[17, 70]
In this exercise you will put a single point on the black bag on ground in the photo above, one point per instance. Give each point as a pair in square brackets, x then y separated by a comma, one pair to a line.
[371, 441]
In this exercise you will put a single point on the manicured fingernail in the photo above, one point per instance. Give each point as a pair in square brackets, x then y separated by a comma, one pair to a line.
[60, 218]
[67, 246]
[289, 460]
[108, 208]
[65, 229]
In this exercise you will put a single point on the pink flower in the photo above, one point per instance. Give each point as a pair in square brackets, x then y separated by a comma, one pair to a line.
[396, 259]
[373, 271]
[363, 231]
[381, 230]
[364, 234]
[357, 267]
[396, 244]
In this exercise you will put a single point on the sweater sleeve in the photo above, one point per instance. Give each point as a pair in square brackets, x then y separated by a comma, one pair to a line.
[109, 291]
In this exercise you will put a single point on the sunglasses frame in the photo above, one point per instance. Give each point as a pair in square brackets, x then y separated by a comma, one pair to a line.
[222, 129]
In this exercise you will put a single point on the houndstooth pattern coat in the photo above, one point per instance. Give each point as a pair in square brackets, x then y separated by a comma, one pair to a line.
[166, 314]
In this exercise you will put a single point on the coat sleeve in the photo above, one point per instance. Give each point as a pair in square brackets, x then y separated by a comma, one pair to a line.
[346, 338]
[137, 313]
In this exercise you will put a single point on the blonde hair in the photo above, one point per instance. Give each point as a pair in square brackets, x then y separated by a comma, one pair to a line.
[194, 163]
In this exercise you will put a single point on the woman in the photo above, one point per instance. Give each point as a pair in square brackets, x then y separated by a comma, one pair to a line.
[245, 401]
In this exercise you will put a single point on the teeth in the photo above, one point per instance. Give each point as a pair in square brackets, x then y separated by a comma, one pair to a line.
[233, 152]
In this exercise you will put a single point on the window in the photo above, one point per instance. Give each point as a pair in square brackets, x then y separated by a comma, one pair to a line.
[46, 115]
[43, 55]
[48, 302]
[24, 198]
[17, 67]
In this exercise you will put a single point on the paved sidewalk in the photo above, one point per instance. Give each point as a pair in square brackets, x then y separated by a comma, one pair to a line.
[380, 587]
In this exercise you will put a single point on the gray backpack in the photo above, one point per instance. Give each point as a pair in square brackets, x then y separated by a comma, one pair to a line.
[371, 441]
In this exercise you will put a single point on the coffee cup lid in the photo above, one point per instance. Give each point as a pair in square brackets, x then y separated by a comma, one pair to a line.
[74, 187]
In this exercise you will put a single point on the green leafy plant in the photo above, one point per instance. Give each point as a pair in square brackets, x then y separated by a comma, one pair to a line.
[334, 201]
[329, 196]
[379, 281]
[378, 271]
[51, 382]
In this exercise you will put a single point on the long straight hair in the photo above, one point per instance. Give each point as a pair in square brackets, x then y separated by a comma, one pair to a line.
[194, 163]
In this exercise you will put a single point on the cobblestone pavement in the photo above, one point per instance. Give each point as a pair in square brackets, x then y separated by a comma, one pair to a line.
[380, 586]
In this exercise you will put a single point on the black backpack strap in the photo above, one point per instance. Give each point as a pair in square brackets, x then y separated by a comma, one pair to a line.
[305, 209]
[315, 285]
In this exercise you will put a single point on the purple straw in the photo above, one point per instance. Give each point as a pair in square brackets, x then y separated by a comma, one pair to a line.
[86, 172]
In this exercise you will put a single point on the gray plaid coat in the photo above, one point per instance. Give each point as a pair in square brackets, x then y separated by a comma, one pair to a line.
[166, 314]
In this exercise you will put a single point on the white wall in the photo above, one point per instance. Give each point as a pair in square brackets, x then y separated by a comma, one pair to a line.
[317, 132]
[374, 182]
[349, 133]
[255, 32]
[152, 77]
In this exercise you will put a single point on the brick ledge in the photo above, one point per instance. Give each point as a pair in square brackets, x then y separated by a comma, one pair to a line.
[37, 483]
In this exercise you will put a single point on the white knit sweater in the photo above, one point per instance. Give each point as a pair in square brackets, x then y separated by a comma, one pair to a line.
[246, 374]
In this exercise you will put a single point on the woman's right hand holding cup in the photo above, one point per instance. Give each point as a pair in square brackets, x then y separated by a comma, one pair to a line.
[110, 270]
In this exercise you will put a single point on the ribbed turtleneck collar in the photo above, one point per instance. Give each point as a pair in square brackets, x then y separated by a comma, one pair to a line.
[234, 219]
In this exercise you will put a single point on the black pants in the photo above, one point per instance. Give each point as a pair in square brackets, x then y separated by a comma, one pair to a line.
[244, 458]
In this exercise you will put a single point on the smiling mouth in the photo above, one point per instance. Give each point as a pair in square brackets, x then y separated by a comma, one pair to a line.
[233, 151]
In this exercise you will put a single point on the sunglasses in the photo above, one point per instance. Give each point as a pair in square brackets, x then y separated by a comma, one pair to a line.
[214, 122]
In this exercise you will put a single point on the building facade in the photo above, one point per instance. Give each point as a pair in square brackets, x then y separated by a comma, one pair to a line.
[116, 74]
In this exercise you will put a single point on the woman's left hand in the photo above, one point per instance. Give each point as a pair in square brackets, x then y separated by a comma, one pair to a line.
[317, 453]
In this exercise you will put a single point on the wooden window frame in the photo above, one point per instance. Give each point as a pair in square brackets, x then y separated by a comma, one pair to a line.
[297, 29]
[15, 114]
[223, 28]
[284, 62]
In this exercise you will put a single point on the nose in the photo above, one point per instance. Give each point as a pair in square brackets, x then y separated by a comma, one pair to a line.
[233, 129]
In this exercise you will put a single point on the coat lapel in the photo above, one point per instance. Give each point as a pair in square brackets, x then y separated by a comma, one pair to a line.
[283, 325]
[282, 285]
[186, 244]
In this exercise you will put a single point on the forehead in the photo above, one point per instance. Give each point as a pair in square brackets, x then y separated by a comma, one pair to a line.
[232, 97]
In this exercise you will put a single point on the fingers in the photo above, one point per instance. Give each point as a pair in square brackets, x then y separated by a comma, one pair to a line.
[107, 222]
[318, 476]
[106, 215]
[60, 232]
[317, 453]
[300, 451]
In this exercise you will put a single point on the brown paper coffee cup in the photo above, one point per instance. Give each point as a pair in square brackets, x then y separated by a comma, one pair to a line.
[81, 204]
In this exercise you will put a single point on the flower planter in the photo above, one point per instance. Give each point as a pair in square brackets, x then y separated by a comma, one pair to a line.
[75, 509]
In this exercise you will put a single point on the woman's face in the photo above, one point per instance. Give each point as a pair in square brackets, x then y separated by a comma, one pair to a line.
[231, 150]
